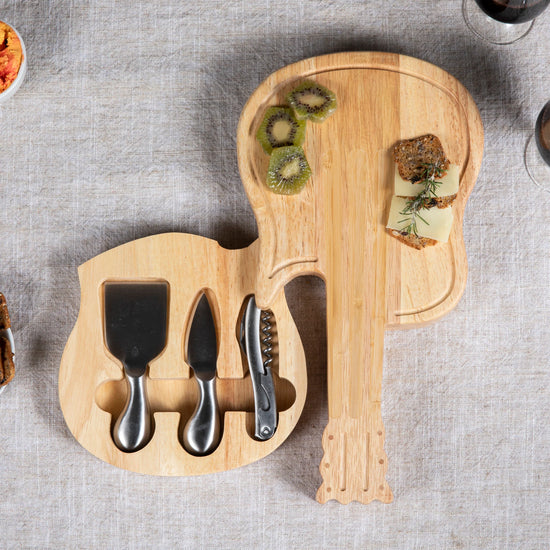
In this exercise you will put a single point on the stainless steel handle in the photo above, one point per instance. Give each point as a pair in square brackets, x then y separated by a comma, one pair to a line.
[265, 405]
[262, 383]
[266, 408]
[202, 432]
[133, 428]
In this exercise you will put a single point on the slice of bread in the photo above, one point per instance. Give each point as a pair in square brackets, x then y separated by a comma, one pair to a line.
[411, 154]
[411, 240]
[7, 368]
[4, 315]
[441, 202]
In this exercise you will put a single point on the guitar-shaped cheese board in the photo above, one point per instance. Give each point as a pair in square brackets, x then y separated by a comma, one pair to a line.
[335, 229]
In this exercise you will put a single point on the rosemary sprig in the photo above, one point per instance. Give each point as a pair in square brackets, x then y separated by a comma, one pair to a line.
[413, 205]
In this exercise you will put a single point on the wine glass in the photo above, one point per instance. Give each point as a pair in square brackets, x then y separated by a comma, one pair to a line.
[502, 21]
[537, 150]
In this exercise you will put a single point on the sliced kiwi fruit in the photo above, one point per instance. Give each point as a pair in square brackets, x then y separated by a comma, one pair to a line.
[312, 101]
[280, 128]
[288, 170]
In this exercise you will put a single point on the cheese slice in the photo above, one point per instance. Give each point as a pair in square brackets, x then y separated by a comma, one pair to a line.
[449, 184]
[437, 225]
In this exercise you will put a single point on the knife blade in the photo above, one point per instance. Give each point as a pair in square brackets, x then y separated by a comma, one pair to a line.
[202, 432]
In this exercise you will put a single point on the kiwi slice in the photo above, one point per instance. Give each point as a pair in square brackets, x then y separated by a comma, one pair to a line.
[288, 170]
[312, 101]
[280, 129]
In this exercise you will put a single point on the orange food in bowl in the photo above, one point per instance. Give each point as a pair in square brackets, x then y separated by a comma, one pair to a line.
[11, 56]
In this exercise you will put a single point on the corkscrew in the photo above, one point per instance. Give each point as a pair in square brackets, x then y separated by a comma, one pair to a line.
[267, 340]
[256, 341]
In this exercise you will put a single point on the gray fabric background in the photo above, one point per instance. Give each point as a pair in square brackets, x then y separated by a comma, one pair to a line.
[125, 127]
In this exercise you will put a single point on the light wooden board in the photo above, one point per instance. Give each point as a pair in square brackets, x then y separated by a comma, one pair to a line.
[336, 229]
[91, 385]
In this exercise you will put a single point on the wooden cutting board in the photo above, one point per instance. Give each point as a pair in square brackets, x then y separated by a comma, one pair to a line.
[335, 229]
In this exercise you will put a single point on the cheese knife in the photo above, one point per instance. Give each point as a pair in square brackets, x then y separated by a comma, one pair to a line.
[202, 432]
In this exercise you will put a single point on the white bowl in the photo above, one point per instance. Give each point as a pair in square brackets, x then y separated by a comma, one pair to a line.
[14, 86]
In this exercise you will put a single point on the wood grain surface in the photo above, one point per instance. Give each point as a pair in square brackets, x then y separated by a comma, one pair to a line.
[91, 386]
[335, 229]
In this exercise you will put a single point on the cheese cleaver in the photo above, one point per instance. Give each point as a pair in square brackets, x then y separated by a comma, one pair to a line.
[135, 333]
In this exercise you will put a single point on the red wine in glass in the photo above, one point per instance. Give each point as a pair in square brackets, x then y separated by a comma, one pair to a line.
[502, 21]
[537, 150]
[513, 11]
[542, 133]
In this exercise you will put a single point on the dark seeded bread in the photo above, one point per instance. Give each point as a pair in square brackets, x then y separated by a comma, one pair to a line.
[412, 240]
[441, 202]
[411, 154]
[7, 368]
[4, 315]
